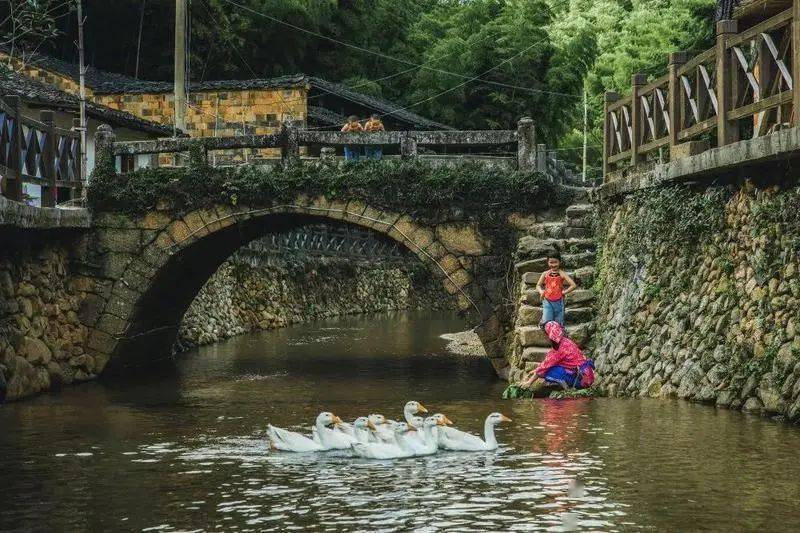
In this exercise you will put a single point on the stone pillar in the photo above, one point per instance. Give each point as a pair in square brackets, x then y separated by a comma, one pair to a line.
[408, 145]
[526, 145]
[290, 148]
[327, 155]
[541, 158]
[104, 159]
[198, 156]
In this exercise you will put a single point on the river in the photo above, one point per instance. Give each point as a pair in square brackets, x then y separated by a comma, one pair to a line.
[186, 451]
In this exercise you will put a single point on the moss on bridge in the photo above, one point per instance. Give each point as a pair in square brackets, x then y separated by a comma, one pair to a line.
[406, 186]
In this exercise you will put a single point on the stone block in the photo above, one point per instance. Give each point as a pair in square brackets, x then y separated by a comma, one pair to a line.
[154, 220]
[530, 278]
[119, 240]
[687, 149]
[528, 315]
[101, 341]
[180, 233]
[196, 225]
[35, 351]
[449, 263]
[421, 239]
[461, 239]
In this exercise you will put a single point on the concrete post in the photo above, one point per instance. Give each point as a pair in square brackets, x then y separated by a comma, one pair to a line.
[327, 154]
[104, 159]
[408, 145]
[526, 145]
[541, 158]
[290, 148]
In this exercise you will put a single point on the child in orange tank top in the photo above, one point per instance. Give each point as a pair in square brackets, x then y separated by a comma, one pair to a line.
[551, 289]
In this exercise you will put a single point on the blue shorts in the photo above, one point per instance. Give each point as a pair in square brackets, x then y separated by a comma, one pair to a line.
[552, 310]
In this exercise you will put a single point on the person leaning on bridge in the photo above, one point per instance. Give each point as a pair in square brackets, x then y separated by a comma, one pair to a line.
[374, 124]
[351, 153]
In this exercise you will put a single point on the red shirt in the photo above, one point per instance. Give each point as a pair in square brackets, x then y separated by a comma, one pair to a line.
[567, 355]
[553, 286]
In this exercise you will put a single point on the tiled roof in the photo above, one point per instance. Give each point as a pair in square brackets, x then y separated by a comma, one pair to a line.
[326, 116]
[102, 82]
[12, 83]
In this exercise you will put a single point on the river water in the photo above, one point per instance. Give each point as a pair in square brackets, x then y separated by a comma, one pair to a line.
[187, 451]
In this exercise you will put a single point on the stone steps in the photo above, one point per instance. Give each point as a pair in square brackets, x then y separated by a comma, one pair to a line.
[583, 277]
[537, 248]
[578, 296]
[529, 315]
[535, 336]
[571, 261]
[534, 354]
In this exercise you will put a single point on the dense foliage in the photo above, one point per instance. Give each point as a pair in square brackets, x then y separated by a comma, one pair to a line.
[406, 186]
[532, 57]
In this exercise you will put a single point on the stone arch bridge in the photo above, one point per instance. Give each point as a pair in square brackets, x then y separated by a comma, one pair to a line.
[129, 278]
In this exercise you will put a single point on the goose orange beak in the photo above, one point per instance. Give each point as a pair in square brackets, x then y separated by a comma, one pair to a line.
[371, 426]
[448, 421]
[504, 418]
[411, 428]
[422, 409]
[337, 420]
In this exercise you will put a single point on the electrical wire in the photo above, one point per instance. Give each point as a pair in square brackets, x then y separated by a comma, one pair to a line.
[392, 58]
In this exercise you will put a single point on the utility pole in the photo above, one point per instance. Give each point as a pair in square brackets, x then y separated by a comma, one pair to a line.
[585, 129]
[139, 40]
[82, 79]
[180, 65]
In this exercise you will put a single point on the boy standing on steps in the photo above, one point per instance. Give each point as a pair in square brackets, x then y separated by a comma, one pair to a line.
[551, 289]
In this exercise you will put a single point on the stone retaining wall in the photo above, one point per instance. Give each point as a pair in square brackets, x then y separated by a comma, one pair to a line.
[243, 297]
[711, 316]
[41, 336]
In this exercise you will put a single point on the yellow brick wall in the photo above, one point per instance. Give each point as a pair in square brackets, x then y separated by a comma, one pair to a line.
[219, 113]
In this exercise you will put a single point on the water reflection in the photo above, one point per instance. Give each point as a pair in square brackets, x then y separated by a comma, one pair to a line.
[187, 451]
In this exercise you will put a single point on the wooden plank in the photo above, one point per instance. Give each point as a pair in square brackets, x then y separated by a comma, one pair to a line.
[652, 145]
[727, 81]
[620, 156]
[699, 59]
[771, 24]
[637, 80]
[619, 103]
[796, 62]
[697, 129]
[762, 105]
[655, 84]
[676, 61]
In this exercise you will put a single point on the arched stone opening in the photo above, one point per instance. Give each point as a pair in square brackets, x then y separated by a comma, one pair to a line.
[158, 282]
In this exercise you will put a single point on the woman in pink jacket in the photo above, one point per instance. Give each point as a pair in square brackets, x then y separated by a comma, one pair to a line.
[564, 365]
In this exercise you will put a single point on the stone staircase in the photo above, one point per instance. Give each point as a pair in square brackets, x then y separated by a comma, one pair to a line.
[572, 238]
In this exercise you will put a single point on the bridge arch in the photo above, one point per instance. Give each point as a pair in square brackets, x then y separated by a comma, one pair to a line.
[155, 264]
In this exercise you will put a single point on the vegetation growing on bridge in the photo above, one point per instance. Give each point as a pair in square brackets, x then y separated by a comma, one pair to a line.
[407, 186]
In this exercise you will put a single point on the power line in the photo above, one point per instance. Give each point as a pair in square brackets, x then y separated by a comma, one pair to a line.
[392, 58]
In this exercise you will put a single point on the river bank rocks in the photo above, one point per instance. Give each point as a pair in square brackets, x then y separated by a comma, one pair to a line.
[41, 336]
[715, 319]
[244, 296]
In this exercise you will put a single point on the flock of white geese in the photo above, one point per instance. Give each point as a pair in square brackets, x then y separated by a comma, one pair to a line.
[376, 437]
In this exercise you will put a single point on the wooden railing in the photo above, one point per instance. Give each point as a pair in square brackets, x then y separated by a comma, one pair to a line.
[38, 152]
[742, 88]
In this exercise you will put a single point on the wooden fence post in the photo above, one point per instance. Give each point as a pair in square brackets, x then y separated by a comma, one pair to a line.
[49, 191]
[674, 102]
[408, 145]
[637, 80]
[608, 131]
[526, 145]
[796, 62]
[727, 85]
[14, 186]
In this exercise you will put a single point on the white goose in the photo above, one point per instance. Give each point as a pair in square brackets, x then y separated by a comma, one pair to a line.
[466, 442]
[428, 445]
[383, 432]
[411, 408]
[291, 441]
[345, 434]
[382, 450]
